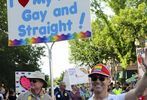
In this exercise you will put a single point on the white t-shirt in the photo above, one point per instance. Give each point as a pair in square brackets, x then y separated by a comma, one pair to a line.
[113, 97]
[1, 96]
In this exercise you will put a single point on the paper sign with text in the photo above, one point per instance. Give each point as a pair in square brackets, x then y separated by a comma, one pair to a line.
[22, 83]
[140, 56]
[41, 21]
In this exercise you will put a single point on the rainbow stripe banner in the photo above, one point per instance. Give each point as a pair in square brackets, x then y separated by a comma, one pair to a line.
[48, 39]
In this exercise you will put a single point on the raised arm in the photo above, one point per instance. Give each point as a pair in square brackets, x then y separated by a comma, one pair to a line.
[141, 84]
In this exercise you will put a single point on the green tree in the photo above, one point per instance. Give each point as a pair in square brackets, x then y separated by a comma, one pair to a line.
[24, 58]
[129, 25]
[59, 79]
[89, 52]
[115, 34]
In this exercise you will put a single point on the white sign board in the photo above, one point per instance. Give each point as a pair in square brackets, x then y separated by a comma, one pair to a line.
[140, 55]
[75, 76]
[38, 21]
[22, 83]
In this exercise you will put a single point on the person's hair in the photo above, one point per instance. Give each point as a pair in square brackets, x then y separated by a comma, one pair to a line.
[72, 86]
[62, 83]
[11, 91]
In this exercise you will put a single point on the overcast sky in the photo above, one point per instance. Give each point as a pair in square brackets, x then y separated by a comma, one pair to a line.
[60, 62]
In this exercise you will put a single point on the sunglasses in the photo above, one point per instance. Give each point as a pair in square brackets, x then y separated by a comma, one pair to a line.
[96, 77]
[35, 80]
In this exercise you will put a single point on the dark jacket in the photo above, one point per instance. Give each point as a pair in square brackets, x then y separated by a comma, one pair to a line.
[63, 96]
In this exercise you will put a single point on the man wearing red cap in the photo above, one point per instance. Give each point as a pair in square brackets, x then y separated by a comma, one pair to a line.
[100, 80]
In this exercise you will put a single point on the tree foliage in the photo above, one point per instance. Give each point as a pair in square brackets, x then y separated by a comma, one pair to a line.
[113, 36]
[22, 58]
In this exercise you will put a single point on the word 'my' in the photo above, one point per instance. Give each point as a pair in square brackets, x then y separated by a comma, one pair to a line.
[47, 2]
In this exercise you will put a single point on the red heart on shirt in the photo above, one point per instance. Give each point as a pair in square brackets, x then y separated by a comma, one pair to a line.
[23, 2]
[25, 82]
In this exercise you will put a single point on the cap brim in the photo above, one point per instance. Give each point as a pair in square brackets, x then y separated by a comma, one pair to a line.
[99, 73]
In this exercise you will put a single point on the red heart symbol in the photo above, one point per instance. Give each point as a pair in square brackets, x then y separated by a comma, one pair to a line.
[23, 2]
[25, 82]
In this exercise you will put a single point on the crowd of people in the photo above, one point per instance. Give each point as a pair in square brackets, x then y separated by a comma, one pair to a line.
[7, 94]
[77, 92]
[100, 88]
[80, 92]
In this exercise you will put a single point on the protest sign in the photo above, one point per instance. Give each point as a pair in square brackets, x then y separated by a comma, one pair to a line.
[140, 55]
[74, 76]
[41, 21]
[22, 83]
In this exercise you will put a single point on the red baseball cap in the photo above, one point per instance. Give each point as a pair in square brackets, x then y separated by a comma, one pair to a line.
[100, 69]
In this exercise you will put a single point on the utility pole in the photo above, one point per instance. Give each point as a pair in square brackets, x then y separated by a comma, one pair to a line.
[50, 67]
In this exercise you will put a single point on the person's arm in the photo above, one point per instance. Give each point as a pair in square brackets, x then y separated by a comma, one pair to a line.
[141, 84]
